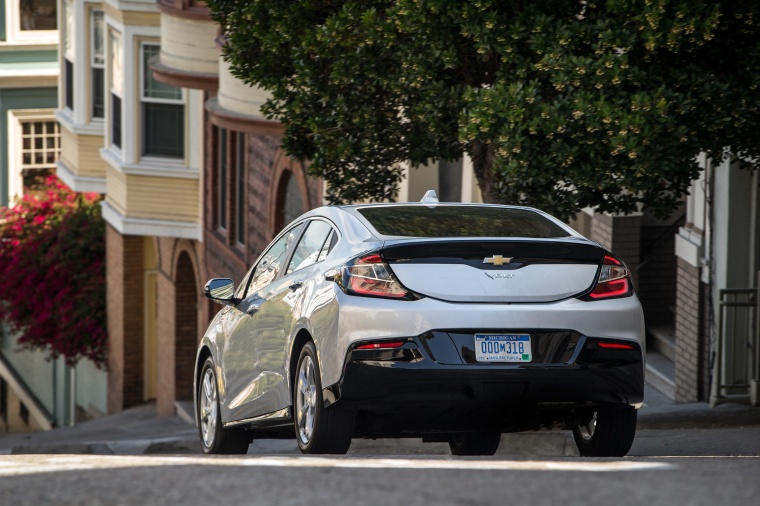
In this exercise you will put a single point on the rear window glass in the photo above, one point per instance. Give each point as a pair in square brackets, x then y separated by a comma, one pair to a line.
[459, 221]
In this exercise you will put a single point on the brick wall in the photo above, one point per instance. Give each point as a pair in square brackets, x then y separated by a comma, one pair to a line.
[124, 298]
[182, 319]
[262, 152]
[166, 330]
[622, 236]
[223, 259]
[690, 350]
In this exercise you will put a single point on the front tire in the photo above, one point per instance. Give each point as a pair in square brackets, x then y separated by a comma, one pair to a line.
[215, 439]
[475, 443]
[318, 429]
[608, 433]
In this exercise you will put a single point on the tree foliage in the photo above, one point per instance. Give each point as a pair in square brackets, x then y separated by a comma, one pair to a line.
[561, 104]
[52, 272]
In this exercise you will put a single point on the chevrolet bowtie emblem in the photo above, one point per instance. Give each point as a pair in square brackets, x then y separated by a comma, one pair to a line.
[497, 260]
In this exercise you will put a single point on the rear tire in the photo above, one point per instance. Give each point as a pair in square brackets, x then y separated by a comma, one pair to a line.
[318, 429]
[475, 443]
[215, 439]
[609, 433]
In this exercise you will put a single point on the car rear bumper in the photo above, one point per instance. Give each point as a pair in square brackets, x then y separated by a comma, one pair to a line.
[364, 318]
[404, 391]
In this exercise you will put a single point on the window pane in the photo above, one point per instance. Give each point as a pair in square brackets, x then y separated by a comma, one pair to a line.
[98, 93]
[307, 251]
[460, 221]
[68, 30]
[222, 171]
[117, 74]
[37, 14]
[240, 200]
[151, 87]
[98, 44]
[39, 144]
[115, 120]
[163, 130]
[68, 70]
[271, 262]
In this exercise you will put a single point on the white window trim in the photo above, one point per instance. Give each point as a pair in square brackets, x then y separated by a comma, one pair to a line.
[15, 150]
[13, 34]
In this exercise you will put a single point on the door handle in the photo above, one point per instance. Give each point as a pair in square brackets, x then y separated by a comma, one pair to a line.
[295, 285]
[252, 309]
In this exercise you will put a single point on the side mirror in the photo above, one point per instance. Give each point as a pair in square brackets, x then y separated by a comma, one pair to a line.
[220, 290]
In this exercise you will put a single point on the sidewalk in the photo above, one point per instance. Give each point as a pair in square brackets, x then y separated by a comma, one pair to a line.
[665, 429]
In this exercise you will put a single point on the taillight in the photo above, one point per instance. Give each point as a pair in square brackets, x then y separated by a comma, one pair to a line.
[615, 346]
[613, 280]
[370, 275]
[381, 345]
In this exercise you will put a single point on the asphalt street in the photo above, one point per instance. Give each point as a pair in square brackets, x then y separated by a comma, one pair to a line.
[685, 454]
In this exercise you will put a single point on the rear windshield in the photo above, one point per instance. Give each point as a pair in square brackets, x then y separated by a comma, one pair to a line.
[459, 221]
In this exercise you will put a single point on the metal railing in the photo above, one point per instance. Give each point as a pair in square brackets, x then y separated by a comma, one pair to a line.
[736, 368]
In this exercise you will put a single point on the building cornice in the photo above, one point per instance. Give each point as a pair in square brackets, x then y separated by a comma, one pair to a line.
[146, 227]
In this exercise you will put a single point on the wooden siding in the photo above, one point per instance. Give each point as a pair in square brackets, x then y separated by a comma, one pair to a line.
[154, 198]
[81, 154]
[116, 190]
[134, 18]
[162, 198]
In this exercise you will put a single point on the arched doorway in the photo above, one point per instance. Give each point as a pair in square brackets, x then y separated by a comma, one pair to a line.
[289, 193]
[290, 203]
[186, 327]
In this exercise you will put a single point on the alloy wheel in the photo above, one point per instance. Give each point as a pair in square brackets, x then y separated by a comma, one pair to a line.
[208, 406]
[306, 400]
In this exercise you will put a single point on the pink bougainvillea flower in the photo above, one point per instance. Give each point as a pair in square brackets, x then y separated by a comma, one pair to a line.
[52, 272]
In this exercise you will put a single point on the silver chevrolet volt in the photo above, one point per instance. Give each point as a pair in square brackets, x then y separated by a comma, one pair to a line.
[442, 321]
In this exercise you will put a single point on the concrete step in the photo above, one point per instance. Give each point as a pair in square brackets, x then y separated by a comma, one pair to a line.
[660, 374]
[662, 339]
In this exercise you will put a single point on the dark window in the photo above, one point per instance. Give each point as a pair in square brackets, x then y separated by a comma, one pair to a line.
[115, 120]
[37, 14]
[98, 93]
[97, 63]
[222, 182]
[240, 187]
[460, 221]
[310, 245]
[68, 75]
[163, 129]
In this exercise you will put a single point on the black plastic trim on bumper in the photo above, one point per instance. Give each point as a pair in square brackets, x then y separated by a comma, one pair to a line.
[410, 389]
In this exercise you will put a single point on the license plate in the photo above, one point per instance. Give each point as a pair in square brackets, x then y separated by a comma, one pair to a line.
[502, 348]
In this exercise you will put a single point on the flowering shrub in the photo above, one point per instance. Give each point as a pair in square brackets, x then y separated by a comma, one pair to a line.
[52, 272]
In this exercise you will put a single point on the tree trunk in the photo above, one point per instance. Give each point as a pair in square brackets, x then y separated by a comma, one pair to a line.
[482, 165]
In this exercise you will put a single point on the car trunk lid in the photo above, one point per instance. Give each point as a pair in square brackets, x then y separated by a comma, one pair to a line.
[504, 271]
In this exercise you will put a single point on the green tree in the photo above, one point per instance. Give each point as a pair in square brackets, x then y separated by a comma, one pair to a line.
[561, 104]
